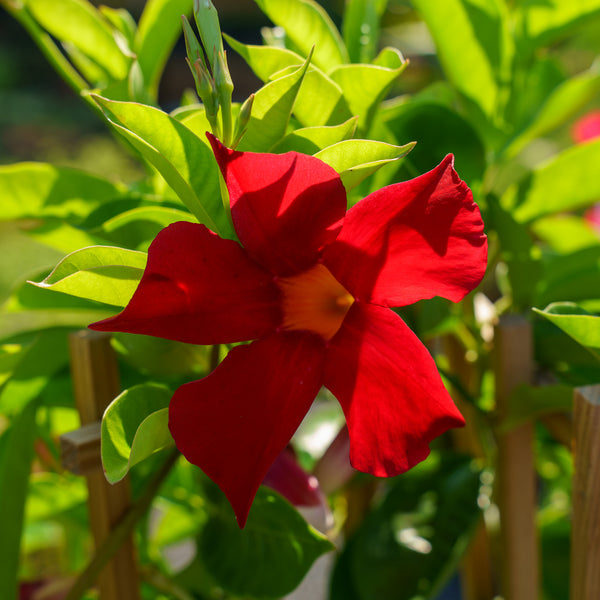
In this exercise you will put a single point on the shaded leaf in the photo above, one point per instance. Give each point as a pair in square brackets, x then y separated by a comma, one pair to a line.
[360, 28]
[276, 539]
[310, 140]
[134, 426]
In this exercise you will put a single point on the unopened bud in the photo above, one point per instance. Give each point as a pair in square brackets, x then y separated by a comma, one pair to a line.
[243, 120]
[192, 45]
[208, 25]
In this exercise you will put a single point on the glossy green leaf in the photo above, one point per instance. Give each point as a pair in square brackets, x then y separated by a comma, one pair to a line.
[355, 160]
[134, 426]
[539, 23]
[365, 86]
[79, 22]
[528, 402]
[276, 539]
[34, 190]
[159, 28]
[185, 162]
[565, 182]
[271, 111]
[306, 25]
[120, 19]
[101, 273]
[360, 28]
[474, 46]
[310, 140]
[576, 322]
[409, 545]
[439, 130]
[16, 454]
[562, 104]
[320, 100]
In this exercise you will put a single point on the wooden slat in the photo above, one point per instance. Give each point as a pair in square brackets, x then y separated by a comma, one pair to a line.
[517, 499]
[585, 536]
[95, 383]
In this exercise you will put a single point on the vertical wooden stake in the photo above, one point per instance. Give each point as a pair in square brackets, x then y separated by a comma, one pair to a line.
[95, 384]
[476, 569]
[585, 535]
[516, 468]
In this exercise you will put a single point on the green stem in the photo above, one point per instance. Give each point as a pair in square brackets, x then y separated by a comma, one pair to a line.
[46, 44]
[122, 530]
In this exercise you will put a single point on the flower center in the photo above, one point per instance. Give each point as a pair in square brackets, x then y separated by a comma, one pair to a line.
[315, 301]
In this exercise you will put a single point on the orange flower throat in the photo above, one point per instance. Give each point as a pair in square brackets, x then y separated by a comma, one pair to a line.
[315, 301]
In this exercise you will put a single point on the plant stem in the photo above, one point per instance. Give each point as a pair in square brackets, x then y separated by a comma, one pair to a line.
[123, 529]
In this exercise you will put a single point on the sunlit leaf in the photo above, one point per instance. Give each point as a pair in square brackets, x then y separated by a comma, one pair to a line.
[306, 25]
[565, 182]
[276, 539]
[79, 22]
[34, 190]
[101, 273]
[159, 28]
[365, 86]
[539, 23]
[355, 160]
[481, 72]
[361, 28]
[186, 163]
[565, 233]
[134, 427]
[576, 322]
[271, 111]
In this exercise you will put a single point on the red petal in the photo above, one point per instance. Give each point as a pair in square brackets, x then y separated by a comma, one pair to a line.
[234, 423]
[389, 387]
[412, 240]
[285, 207]
[200, 289]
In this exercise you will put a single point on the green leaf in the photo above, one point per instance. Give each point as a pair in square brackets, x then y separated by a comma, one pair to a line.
[320, 100]
[26, 321]
[159, 28]
[16, 454]
[310, 140]
[134, 427]
[79, 22]
[565, 233]
[101, 273]
[541, 23]
[186, 163]
[576, 322]
[474, 47]
[562, 104]
[565, 182]
[365, 86]
[276, 539]
[570, 277]
[355, 160]
[360, 28]
[527, 403]
[34, 190]
[271, 111]
[139, 226]
[53, 494]
[410, 544]
[439, 130]
[306, 25]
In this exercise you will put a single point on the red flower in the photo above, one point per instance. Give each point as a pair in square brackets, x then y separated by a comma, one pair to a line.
[587, 127]
[312, 285]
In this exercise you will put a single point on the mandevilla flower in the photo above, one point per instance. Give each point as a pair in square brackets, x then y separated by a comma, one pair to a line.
[311, 284]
